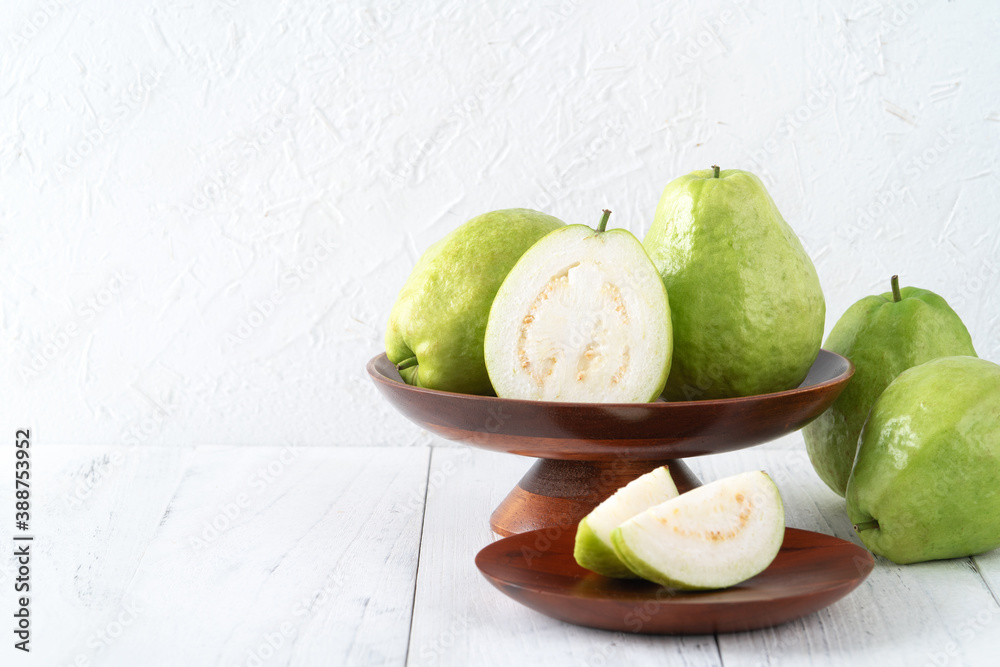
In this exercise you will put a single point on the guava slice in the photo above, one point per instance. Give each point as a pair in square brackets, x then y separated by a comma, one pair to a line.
[714, 536]
[583, 316]
[593, 549]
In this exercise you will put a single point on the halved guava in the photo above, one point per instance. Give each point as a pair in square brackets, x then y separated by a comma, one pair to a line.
[593, 549]
[714, 536]
[583, 316]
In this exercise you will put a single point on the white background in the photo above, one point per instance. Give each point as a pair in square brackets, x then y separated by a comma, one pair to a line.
[206, 209]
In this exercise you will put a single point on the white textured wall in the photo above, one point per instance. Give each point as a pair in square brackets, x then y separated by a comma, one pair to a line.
[206, 208]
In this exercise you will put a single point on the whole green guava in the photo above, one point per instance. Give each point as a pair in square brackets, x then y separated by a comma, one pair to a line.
[882, 335]
[926, 482]
[437, 325]
[746, 305]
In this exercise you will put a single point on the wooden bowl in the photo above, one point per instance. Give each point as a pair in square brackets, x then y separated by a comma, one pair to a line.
[606, 431]
[537, 569]
[589, 450]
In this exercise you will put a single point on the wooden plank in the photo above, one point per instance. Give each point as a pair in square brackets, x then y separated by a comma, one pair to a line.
[460, 619]
[986, 620]
[94, 510]
[245, 556]
[923, 614]
[261, 555]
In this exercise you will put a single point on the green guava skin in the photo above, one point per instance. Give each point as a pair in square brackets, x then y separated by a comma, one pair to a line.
[440, 314]
[882, 338]
[644, 570]
[592, 553]
[746, 304]
[928, 468]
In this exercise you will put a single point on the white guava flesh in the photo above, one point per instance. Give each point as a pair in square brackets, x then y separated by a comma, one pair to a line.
[583, 316]
[714, 536]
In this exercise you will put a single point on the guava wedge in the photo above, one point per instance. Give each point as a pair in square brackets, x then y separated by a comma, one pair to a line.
[714, 536]
[582, 317]
[593, 549]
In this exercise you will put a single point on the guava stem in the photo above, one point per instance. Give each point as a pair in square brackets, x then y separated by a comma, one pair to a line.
[409, 362]
[896, 296]
[871, 524]
[715, 168]
[604, 220]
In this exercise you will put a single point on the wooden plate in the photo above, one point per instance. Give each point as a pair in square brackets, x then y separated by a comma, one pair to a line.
[615, 431]
[537, 569]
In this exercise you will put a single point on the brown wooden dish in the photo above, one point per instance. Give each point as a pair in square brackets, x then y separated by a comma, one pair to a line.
[588, 450]
[537, 569]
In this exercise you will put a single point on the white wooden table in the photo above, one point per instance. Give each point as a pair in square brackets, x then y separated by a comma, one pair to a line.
[254, 556]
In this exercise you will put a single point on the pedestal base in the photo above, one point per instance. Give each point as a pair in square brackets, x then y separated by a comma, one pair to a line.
[560, 493]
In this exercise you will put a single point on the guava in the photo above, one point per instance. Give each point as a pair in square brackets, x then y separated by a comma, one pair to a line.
[746, 304]
[713, 536]
[882, 335]
[437, 325]
[583, 317]
[926, 482]
[593, 549]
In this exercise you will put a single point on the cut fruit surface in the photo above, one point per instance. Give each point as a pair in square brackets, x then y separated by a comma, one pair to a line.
[713, 536]
[593, 549]
[583, 316]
